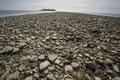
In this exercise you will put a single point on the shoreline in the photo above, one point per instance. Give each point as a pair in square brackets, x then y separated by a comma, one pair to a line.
[59, 46]
[96, 14]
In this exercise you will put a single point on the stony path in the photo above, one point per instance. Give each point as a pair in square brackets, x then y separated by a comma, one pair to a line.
[59, 46]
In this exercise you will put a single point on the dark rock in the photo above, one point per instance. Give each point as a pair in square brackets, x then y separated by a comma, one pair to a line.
[91, 65]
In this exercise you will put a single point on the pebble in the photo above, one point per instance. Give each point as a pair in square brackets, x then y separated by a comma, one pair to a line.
[21, 45]
[33, 58]
[108, 61]
[116, 78]
[15, 50]
[51, 68]
[75, 65]
[99, 61]
[29, 78]
[57, 61]
[50, 77]
[36, 75]
[22, 68]
[44, 65]
[115, 68]
[98, 78]
[46, 71]
[68, 68]
[52, 57]
[91, 65]
[6, 49]
[13, 76]
[41, 57]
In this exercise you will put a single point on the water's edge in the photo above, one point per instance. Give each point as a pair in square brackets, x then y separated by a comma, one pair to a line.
[7, 13]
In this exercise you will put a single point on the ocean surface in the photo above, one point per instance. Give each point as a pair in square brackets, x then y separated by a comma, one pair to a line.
[6, 13]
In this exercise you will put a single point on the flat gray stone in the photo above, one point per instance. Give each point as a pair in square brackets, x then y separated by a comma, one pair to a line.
[6, 49]
[51, 68]
[44, 65]
[41, 57]
[115, 68]
[52, 57]
[21, 44]
[33, 58]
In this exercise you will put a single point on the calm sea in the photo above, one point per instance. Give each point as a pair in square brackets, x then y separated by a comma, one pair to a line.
[5, 13]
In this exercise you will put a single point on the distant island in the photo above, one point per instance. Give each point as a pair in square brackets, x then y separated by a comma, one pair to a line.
[47, 10]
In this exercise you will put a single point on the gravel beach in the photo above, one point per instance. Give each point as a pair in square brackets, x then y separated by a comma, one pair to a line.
[59, 46]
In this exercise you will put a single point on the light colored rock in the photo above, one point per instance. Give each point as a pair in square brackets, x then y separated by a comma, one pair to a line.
[6, 49]
[68, 68]
[52, 57]
[115, 68]
[22, 68]
[41, 57]
[116, 78]
[98, 78]
[29, 78]
[33, 58]
[21, 44]
[44, 65]
[57, 61]
[50, 77]
[13, 76]
[46, 71]
[75, 65]
[51, 68]
[108, 61]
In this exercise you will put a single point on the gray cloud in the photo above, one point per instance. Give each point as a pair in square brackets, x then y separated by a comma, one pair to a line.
[110, 6]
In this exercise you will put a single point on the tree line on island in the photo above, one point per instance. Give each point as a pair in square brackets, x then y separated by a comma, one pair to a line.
[47, 10]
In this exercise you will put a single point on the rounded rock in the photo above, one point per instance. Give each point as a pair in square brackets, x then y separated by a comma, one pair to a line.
[68, 68]
[75, 65]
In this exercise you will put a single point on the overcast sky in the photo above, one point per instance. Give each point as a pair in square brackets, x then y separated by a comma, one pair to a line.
[104, 6]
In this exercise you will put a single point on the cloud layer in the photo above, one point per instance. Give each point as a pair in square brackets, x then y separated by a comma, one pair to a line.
[109, 6]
